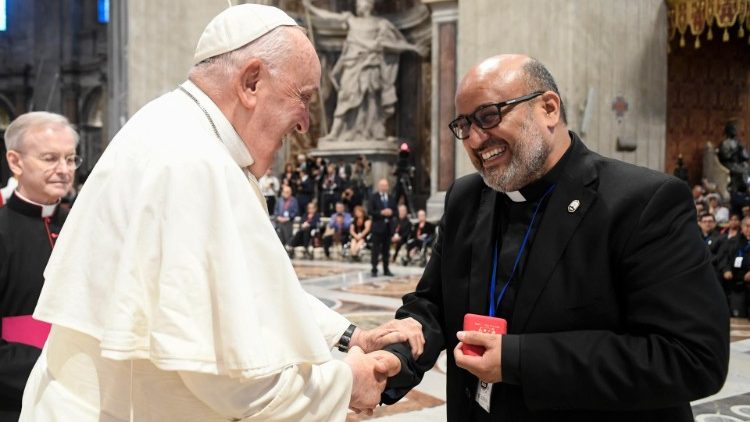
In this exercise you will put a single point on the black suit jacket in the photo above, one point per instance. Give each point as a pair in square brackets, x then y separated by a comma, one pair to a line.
[618, 316]
[381, 224]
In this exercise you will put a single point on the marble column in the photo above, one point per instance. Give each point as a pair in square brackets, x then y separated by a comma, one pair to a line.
[117, 68]
[442, 143]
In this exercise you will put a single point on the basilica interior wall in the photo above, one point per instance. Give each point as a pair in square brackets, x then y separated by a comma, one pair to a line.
[162, 36]
[597, 50]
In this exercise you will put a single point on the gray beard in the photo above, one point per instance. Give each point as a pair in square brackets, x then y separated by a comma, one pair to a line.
[526, 164]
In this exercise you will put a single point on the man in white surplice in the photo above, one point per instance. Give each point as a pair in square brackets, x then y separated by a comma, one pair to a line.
[170, 297]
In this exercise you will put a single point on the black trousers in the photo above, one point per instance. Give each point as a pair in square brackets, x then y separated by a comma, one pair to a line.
[381, 244]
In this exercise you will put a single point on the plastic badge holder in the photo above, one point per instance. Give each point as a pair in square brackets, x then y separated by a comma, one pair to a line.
[484, 324]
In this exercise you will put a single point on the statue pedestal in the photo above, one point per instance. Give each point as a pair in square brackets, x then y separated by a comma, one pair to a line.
[381, 155]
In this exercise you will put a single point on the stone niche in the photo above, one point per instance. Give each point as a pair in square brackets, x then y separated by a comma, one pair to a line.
[388, 55]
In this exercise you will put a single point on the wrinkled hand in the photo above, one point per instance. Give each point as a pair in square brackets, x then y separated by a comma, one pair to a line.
[394, 331]
[727, 275]
[369, 374]
[486, 367]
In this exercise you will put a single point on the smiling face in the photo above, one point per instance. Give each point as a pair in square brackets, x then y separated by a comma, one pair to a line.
[520, 148]
[41, 178]
[281, 102]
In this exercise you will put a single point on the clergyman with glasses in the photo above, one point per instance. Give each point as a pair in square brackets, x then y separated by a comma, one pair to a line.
[42, 156]
[612, 306]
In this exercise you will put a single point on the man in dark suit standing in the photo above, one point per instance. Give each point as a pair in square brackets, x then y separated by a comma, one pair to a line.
[381, 208]
[614, 312]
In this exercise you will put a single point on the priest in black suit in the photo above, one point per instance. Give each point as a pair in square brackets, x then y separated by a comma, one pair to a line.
[614, 312]
[41, 153]
[380, 207]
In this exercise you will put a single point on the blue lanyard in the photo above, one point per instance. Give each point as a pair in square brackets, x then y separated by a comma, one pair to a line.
[496, 305]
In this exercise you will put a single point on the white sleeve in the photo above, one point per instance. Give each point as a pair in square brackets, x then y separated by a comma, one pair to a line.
[299, 392]
[331, 323]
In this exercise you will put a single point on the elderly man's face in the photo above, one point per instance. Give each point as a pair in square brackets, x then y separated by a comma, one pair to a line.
[283, 102]
[383, 186]
[41, 166]
[513, 153]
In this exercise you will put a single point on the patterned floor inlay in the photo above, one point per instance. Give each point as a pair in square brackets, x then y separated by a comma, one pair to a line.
[361, 313]
[730, 409]
[394, 287]
[414, 400]
[368, 320]
[739, 329]
[305, 272]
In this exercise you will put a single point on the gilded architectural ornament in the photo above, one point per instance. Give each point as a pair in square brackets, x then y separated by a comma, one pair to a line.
[699, 16]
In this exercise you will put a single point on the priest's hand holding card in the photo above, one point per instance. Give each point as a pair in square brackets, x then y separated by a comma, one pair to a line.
[487, 366]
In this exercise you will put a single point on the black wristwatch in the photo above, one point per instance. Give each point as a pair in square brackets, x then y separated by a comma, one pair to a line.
[343, 344]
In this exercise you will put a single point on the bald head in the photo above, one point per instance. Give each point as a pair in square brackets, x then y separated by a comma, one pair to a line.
[510, 120]
[512, 69]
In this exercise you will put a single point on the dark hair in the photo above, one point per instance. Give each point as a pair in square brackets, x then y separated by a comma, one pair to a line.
[538, 78]
[706, 214]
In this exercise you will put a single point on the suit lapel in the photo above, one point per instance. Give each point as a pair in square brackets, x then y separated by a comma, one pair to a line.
[557, 226]
[481, 252]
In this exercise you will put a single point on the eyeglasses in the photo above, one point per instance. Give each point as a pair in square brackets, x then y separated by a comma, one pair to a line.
[486, 116]
[52, 160]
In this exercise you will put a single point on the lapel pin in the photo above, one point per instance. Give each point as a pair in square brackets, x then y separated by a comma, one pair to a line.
[573, 206]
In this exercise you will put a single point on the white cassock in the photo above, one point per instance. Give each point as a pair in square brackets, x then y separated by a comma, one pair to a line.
[170, 295]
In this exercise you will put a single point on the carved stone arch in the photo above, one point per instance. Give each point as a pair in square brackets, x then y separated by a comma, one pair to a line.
[92, 108]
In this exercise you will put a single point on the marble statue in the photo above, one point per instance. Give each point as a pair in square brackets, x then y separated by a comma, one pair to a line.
[365, 74]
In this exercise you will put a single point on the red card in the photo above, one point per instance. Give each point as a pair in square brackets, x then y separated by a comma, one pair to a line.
[484, 324]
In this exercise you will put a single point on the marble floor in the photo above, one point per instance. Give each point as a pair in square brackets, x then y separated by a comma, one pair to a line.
[369, 301]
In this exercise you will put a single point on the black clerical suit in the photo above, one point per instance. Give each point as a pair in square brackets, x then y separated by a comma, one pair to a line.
[25, 248]
[381, 228]
[615, 313]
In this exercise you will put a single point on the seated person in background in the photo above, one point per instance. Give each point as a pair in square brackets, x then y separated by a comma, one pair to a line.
[308, 228]
[735, 269]
[712, 238]
[720, 212]
[333, 227]
[358, 231]
[422, 235]
[269, 187]
[401, 231]
[336, 233]
[733, 226]
[286, 210]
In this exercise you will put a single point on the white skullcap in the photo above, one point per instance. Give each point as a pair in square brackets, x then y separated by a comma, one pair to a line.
[237, 26]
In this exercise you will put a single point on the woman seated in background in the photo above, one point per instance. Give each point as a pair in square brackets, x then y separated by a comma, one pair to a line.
[358, 232]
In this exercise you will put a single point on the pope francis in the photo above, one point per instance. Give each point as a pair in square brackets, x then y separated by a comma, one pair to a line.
[167, 305]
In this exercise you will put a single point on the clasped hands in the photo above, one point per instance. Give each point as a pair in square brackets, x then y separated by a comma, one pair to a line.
[371, 367]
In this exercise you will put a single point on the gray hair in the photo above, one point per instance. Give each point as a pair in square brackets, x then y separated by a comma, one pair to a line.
[272, 48]
[15, 134]
[538, 78]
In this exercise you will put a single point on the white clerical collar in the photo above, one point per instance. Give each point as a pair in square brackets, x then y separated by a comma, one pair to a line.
[232, 141]
[516, 196]
[47, 210]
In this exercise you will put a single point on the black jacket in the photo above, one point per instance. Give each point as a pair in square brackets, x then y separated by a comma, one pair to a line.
[25, 248]
[618, 316]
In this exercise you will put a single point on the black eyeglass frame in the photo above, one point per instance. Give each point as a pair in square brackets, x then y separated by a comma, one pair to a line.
[471, 118]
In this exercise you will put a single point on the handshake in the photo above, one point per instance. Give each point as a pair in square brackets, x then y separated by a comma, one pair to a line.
[371, 367]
